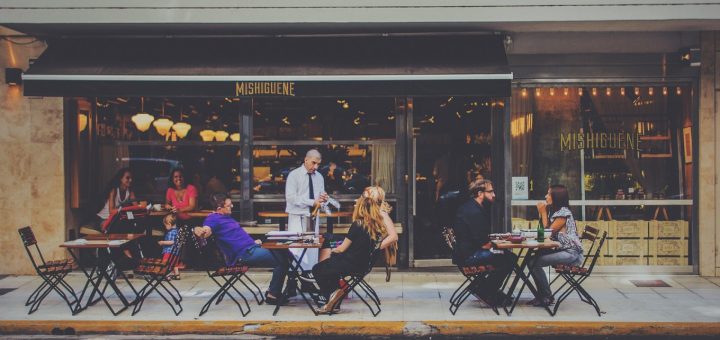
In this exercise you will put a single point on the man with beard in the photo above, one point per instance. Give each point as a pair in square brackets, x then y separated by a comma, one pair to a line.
[472, 230]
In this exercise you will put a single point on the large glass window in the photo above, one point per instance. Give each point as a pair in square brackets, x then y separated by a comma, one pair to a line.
[153, 136]
[625, 154]
[356, 137]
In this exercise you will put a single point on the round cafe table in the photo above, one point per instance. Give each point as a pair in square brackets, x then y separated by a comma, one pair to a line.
[283, 217]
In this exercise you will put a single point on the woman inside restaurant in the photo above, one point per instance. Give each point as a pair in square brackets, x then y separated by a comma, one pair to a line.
[180, 197]
[555, 214]
[353, 255]
[116, 192]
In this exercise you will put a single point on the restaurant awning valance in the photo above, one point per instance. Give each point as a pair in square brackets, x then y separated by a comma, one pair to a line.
[273, 66]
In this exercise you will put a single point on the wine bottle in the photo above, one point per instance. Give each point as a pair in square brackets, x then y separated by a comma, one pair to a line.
[540, 230]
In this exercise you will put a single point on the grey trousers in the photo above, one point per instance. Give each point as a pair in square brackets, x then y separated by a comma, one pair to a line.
[551, 258]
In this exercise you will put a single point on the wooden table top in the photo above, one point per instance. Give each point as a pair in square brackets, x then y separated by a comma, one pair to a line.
[548, 244]
[194, 214]
[113, 236]
[104, 243]
[276, 214]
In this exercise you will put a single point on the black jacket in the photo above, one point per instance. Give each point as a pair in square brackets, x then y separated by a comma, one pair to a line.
[472, 229]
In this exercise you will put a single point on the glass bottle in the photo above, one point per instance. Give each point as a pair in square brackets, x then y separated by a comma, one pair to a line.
[540, 230]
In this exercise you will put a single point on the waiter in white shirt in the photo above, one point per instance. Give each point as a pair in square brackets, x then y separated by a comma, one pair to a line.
[304, 189]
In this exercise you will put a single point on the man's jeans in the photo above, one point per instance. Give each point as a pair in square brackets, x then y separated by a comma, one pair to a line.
[503, 264]
[257, 256]
[551, 258]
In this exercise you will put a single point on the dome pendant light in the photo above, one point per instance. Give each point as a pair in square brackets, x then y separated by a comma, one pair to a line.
[163, 124]
[142, 119]
[181, 128]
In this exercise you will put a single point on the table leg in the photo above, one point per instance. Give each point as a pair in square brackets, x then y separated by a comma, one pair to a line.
[520, 275]
[294, 270]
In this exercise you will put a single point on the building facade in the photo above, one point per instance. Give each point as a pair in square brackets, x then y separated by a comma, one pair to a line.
[619, 108]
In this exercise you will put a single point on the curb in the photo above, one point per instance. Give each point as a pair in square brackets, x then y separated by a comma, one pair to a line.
[359, 328]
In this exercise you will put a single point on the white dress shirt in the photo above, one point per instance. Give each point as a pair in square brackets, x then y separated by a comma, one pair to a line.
[297, 191]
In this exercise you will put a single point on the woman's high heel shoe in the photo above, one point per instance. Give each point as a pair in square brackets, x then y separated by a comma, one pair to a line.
[333, 300]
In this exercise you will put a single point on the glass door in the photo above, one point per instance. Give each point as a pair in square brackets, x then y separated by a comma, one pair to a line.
[451, 145]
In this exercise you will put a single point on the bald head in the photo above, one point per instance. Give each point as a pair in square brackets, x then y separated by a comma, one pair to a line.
[312, 160]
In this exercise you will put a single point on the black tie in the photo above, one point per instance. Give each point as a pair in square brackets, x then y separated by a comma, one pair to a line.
[312, 192]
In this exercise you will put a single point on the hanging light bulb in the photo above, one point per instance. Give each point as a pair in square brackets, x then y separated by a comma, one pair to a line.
[523, 92]
[181, 129]
[580, 91]
[594, 91]
[537, 92]
[163, 124]
[552, 91]
[665, 91]
[678, 90]
[82, 122]
[207, 135]
[637, 91]
[566, 91]
[235, 137]
[622, 91]
[651, 91]
[221, 135]
[142, 119]
[608, 91]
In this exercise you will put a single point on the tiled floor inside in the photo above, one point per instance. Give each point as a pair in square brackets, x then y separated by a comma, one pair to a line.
[409, 296]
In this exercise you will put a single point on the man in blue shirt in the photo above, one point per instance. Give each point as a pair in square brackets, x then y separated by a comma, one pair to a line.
[239, 248]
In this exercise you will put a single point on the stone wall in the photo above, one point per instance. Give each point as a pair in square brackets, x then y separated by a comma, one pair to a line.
[709, 144]
[31, 164]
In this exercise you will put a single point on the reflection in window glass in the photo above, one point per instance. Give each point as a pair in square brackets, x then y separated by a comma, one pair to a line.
[611, 146]
[323, 119]
[346, 169]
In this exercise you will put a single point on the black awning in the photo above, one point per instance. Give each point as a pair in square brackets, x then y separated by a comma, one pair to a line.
[299, 66]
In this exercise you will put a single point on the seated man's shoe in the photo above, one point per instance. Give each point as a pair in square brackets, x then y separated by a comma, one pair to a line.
[308, 287]
[274, 300]
[542, 301]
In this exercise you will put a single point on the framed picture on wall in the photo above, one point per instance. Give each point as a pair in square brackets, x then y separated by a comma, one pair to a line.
[687, 144]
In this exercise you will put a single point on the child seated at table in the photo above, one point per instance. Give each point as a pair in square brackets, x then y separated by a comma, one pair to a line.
[168, 242]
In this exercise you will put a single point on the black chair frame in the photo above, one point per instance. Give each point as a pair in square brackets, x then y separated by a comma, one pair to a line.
[474, 276]
[574, 276]
[229, 275]
[155, 272]
[357, 280]
[52, 273]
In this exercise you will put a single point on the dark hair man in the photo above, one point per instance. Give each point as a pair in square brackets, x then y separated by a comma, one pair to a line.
[472, 230]
[236, 245]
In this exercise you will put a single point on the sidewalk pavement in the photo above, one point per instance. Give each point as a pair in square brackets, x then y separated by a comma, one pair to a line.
[413, 304]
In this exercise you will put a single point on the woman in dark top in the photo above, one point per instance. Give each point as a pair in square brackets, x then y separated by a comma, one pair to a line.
[353, 255]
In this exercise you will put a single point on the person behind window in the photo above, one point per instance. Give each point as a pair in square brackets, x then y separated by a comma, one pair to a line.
[472, 230]
[180, 197]
[117, 192]
[353, 255]
[239, 248]
[555, 213]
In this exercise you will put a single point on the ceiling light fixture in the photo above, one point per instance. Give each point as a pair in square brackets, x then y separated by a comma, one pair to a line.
[221, 135]
[163, 125]
[207, 135]
[181, 128]
[142, 119]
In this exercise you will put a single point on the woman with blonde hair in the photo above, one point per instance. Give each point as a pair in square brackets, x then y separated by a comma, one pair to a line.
[389, 244]
[365, 235]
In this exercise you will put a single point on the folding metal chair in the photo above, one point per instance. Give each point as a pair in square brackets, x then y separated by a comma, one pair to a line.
[574, 276]
[155, 271]
[474, 276]
[230, 275]
[357, 280]
[52, 272]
